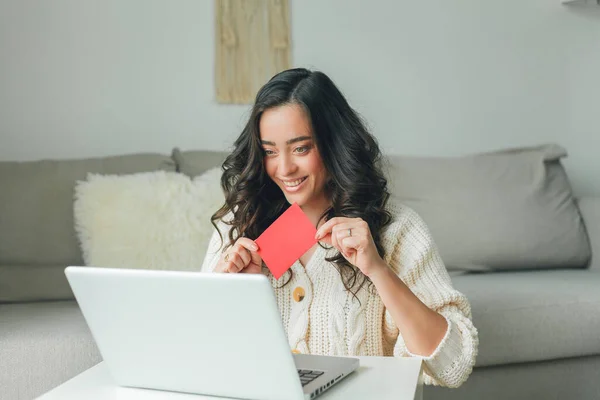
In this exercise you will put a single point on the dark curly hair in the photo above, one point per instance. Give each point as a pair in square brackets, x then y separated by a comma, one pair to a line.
[356, 186]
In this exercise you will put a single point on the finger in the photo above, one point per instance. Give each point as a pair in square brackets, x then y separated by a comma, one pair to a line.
[247, 243]
[327, 227]
[357, 230]
[341, 231]
[252, 248]
[256, 261]
[234, 263]
[243, 253]
[252, 269]
[335, 239]
[327, 239]
[350, 245]
[222, 264]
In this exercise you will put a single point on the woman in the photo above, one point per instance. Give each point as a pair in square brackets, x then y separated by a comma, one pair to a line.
[375, 284]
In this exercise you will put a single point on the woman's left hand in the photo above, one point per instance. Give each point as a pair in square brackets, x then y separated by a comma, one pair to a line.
[352, 237]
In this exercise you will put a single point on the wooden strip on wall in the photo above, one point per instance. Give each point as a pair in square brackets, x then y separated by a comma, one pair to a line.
[252, 44]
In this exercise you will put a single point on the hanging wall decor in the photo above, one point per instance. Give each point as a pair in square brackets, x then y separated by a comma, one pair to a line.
[252, 45]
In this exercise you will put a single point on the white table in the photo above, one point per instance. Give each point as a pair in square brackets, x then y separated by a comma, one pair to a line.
[377, 378]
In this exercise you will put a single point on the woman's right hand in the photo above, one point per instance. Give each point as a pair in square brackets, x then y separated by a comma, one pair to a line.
[242, 257]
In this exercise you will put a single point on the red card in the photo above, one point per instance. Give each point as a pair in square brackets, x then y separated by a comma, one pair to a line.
[282, 243]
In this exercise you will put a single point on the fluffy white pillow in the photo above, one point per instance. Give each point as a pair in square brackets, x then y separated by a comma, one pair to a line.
[150, 220]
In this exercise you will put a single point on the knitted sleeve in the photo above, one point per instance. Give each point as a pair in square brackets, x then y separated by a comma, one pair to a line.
[415, 258]
[215, 248]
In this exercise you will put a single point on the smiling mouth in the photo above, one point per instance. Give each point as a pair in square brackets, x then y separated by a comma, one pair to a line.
[294, 183]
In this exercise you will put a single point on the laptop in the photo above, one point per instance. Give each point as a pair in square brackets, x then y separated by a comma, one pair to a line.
[202, 333]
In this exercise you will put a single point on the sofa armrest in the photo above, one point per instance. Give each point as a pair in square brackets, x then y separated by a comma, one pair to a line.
[590, 210]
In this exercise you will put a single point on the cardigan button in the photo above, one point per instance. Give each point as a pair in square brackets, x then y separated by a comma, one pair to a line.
[299, 294]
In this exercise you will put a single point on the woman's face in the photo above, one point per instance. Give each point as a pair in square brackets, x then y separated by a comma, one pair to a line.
[292, 159]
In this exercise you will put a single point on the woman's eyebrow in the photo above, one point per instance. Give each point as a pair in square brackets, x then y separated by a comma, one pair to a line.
[294, 140]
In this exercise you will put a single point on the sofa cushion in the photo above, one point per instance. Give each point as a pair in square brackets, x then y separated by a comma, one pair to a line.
[41, 346]
[36, 203]
[533, 315]
[195, 162]
[152, 220]
[510, 209]
[36, 208]
[590, 209]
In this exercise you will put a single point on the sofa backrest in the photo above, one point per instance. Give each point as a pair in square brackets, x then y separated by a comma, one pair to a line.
[506, 210]
[37, 236]
[195, 162]
[36, 219]
[590, 209]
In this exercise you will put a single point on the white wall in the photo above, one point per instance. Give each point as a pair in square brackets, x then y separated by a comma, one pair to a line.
[582, 135]
[83, 78]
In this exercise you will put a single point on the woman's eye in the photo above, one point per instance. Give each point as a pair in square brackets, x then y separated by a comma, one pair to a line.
[302, 149]
[269, 152]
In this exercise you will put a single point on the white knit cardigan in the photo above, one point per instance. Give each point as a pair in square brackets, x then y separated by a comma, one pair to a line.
[330, 321]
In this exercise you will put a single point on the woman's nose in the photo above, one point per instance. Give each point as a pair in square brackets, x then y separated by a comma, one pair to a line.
[286, 166]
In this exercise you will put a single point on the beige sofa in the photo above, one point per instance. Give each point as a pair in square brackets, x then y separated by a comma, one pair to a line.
[536, 303]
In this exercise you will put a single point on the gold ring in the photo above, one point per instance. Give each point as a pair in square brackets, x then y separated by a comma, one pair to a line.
[226, 257]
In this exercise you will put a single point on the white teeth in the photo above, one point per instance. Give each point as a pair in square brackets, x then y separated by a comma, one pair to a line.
[293, 183]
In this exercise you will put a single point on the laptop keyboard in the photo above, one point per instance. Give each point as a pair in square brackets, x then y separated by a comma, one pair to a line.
[307, 376]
